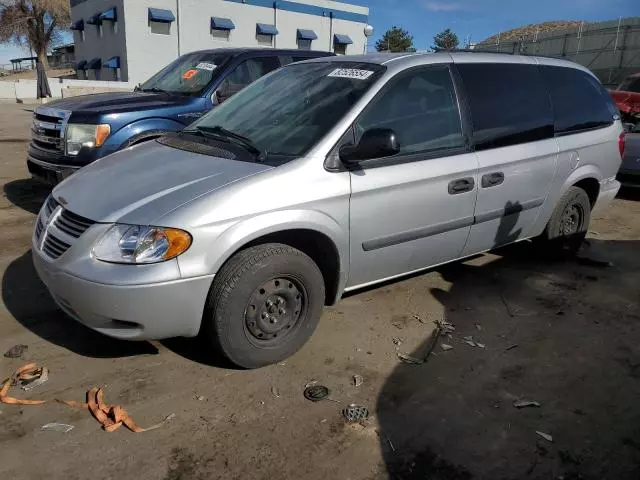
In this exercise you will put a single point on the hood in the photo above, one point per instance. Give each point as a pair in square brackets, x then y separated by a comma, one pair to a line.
[119, 102]
[142, 183]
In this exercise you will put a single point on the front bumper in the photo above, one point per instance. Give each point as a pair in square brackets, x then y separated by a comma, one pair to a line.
[128, 312]
[49, 173]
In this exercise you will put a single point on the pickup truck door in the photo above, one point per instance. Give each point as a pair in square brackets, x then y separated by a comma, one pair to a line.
[414, 209]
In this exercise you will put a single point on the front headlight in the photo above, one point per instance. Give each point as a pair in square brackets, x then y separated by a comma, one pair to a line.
[137, 244]
[80, 135]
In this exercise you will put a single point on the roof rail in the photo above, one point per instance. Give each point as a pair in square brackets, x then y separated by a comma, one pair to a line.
[524, 54]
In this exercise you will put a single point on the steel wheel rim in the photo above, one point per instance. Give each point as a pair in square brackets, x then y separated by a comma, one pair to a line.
[571, 220]
[275, 311]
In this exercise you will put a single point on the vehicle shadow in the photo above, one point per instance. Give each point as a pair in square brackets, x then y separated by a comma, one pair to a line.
[563, 334]
[629, 193]
[28, 300]
[26, 194]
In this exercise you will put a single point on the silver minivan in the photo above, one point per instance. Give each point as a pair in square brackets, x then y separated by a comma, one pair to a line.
[321, 178]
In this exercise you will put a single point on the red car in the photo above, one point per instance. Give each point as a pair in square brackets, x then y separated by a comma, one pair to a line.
[627, 97]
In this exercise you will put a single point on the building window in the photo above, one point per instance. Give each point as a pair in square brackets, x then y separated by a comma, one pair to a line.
[266, 40]
[340, 48]
[304, 44]
[160, 28]
[221, 35]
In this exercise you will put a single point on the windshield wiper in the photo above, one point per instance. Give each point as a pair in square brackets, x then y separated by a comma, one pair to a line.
[242, 140]
[155, 90]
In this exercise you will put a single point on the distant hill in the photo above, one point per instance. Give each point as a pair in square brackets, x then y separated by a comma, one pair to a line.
[529, 31]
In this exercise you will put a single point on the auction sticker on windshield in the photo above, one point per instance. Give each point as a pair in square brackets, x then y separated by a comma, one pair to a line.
[206, 66]
[354, 73]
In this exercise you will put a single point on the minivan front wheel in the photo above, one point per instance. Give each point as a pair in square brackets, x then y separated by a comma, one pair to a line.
[265, 303]
[569, 223]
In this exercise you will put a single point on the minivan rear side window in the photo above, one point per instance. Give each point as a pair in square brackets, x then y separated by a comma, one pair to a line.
[579, 101]
[509, 104]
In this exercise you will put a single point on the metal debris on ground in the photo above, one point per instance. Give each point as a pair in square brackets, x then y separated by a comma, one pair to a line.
[444, 326]
[57, 427]
[358, 380]
[391, 444]
[445, 347]
[525, 403]
[404, 358]
[35, 379]
[275, 392]
[511, 347]
[200, 398]
[311, 383]
[316, 393]
[397, 341]
[480, 345]
[418, 318]
[16, 351]
[546, 436]
[282, 364]
[355, 413]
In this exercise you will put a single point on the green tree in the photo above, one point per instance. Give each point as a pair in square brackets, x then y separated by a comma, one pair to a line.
[395, 39]
[34, 23]
[445, 40]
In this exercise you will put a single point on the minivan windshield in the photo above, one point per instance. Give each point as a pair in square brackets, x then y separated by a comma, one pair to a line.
[188, 75]
[288, 111]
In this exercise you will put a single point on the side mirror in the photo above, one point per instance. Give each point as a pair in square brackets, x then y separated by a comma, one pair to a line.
[374, 143]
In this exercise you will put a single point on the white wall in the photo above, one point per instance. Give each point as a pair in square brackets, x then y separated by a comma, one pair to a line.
[27, 89]
[111, 43]
[148, 52]
[195, 17]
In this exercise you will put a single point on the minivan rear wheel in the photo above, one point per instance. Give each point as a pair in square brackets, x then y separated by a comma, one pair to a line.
[569, 223]
[265, 303]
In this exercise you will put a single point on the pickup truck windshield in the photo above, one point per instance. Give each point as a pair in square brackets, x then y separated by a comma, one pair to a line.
[187, 75]
[288, 111]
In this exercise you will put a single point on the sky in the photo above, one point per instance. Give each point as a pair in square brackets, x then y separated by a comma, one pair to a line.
[482, 18]
[477, 18]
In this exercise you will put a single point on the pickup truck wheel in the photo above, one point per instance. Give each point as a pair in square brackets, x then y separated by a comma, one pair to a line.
[264, 304]
[568, 225]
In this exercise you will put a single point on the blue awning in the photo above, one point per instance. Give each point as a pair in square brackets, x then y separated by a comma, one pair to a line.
[161, 15]
[266, 29]
[342, 39]
[95, 19]
[110, 14]
[82, 65]
[219, 23]
[95, 64]
[306, 34]
[79, 25]
[113, 62]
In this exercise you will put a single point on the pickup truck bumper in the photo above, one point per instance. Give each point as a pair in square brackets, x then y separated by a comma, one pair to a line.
[49, 173]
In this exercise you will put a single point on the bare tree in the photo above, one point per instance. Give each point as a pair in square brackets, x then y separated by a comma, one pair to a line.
[34, 23]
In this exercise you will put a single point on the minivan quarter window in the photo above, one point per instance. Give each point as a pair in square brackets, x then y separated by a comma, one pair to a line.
[509, 104]
[420, 107]
[579, 101]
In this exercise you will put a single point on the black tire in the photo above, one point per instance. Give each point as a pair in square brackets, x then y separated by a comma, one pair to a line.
[568, 225]
[234, 322]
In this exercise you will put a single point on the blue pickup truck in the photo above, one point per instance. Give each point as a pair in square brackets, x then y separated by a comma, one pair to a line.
[70, 133]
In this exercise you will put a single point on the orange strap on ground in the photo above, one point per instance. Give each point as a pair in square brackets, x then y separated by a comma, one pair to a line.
[111, 417]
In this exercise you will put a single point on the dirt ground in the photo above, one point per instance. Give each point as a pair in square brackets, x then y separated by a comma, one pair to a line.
[566, 335]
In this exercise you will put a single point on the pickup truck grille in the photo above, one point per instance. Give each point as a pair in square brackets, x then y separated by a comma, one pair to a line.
[47, 132]
[65, 228]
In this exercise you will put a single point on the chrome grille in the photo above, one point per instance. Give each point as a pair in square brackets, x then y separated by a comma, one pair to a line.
[72, 224]
[47, 132]
[64, 228]
[54, 247]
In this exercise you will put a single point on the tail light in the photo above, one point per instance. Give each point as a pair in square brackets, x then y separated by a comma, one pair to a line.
[621, 144]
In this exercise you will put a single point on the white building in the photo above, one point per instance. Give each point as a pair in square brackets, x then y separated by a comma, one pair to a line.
[130, 40]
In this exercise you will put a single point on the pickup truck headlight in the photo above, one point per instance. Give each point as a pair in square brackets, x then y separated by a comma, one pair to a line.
[137, 244]
[81, 135]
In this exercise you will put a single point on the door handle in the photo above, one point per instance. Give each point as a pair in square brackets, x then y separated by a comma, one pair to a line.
[492, 179]
[461, 185]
